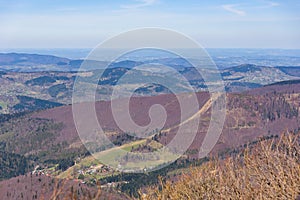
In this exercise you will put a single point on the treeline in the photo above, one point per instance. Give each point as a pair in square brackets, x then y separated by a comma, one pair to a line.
[56, 89]
[270, 106]
[44, 80]
[7, 117]
[32, 104]
[278, 108]
[12, 165]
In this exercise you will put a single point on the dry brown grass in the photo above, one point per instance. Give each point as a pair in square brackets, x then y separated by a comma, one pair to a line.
[269, 170]
[64, 192]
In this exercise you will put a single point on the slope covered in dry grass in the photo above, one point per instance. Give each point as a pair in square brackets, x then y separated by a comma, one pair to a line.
[268, 170]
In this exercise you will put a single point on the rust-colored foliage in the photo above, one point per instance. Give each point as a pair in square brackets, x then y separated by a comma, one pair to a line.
[269, 170]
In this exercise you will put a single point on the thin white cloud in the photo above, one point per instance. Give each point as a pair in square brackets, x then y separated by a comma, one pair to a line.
[232, 8]
[241, 12]
[139, 4]
[271, 4]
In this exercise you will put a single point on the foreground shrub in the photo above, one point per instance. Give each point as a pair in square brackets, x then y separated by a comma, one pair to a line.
[268, 170]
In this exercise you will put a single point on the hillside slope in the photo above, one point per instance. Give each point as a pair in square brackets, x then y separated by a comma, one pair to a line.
[51, 136]
[267, 170]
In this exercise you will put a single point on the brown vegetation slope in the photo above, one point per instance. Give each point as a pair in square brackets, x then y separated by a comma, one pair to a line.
[267, 170]
[249, 115]
[42, 187]
[262, 112]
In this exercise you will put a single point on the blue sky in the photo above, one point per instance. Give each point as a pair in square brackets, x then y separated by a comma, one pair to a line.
[85, 23]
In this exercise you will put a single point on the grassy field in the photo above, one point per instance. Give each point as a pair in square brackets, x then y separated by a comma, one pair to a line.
[103, 156]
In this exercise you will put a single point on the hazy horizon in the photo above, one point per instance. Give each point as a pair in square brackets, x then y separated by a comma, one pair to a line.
[213, 24]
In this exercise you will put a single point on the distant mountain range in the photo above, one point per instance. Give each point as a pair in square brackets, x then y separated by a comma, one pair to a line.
[35, 62]
[223, 57]
[51, 78]
[24, 62]
[27, 59]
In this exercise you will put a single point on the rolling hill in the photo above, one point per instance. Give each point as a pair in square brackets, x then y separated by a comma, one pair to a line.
[55, 86]
[39, 129]
[49, 139]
